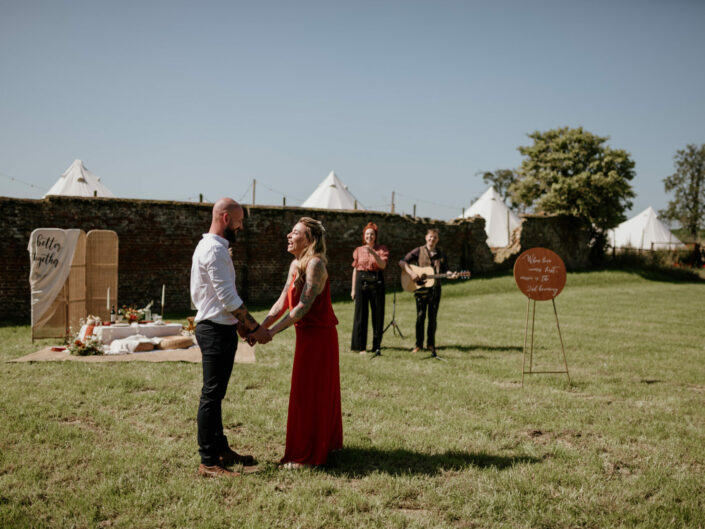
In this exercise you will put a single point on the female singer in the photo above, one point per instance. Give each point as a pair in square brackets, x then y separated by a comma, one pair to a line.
[369, 260]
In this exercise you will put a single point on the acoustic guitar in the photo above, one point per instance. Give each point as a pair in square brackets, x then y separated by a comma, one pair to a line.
[427, 277]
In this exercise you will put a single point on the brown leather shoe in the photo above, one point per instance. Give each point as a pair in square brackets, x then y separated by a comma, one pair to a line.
[229, 457]
[416, 349]
[215, 471]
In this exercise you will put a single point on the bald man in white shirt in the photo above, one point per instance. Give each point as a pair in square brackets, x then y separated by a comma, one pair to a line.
[221, 316]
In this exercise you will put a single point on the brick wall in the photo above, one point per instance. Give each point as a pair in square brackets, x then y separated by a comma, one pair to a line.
[157, 239]
[567, 236]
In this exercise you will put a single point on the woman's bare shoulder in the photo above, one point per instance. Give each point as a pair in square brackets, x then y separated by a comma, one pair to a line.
[316, 265]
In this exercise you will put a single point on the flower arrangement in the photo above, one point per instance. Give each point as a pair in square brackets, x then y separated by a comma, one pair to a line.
[131, 314]
[90, 346]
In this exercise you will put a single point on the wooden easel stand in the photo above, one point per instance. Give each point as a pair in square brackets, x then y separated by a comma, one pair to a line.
[531, 309]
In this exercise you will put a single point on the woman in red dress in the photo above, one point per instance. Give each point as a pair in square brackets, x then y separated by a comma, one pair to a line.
[314, 425]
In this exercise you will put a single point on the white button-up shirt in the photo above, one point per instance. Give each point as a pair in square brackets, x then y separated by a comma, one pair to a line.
[213, 290]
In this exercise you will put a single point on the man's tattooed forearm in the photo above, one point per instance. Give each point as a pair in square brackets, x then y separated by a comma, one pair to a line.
[243, 315]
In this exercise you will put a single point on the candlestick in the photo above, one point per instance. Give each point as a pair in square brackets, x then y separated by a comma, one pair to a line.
[107, 301]
[163, 292]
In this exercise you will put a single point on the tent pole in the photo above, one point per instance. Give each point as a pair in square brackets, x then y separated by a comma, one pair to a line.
[509, 234]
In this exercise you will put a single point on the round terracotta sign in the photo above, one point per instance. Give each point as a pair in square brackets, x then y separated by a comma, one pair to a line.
[540, 274]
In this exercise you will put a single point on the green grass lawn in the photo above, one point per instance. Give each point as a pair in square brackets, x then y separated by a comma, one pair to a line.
[454, 443]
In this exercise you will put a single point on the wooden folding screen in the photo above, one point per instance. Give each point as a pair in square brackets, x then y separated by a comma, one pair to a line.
[101, 272]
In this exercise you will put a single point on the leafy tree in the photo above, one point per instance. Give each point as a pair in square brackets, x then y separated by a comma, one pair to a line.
[688, 185]
[501, 180]
[571, 171]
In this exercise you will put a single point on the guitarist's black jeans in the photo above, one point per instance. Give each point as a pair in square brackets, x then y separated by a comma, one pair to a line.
[427, 303]
[369, 290]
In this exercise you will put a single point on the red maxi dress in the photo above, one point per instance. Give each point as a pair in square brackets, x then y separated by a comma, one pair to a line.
[314, 426]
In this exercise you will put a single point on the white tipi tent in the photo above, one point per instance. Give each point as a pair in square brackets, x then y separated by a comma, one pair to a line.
[332, 194]
[77, 181]
[500, 221]
[644, 232]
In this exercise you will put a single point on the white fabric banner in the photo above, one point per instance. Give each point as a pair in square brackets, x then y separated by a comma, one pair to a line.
[51, 254]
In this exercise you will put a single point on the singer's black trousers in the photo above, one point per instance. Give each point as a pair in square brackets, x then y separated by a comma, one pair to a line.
[369, 296]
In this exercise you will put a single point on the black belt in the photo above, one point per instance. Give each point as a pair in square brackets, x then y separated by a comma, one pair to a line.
[369, 276]
[370, 281]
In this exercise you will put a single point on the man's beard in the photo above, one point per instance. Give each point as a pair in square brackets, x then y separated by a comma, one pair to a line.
[230, 235]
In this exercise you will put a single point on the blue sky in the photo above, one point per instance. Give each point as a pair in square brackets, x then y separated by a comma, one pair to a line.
[166, 100]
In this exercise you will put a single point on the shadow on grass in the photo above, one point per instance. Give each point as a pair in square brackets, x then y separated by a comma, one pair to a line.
[471, 348]
[674, 275]
[669, 275]
[357, 462]
[456, 347]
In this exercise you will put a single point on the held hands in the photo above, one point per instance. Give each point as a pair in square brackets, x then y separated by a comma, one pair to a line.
[260, 336]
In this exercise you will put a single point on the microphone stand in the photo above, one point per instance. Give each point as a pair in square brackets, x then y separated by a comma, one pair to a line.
[434, 356]
[393, 324]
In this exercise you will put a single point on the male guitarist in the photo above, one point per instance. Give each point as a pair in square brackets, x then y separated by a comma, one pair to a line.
[427, 299]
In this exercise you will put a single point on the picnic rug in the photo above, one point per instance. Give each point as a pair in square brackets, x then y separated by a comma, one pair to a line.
[245, 355]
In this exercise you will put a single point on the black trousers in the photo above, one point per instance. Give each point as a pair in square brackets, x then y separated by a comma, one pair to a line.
[218, 344]
[369, 293]
[427, 304]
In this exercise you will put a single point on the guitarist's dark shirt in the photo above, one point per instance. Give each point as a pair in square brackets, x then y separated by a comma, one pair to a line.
[422, 257]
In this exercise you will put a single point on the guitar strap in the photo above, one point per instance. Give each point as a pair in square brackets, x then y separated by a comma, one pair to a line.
[425, 259]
